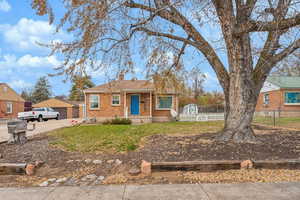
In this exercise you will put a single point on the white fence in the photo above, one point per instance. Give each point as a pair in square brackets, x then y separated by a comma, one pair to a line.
[201, 117]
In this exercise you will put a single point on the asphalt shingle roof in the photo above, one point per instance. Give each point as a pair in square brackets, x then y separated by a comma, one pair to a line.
[285, 81]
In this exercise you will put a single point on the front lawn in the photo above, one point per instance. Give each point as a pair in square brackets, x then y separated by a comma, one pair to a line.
[99, 138]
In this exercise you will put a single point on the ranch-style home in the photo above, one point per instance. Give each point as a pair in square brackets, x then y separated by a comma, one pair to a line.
[10, 102]
[137, 100]
[280, 95]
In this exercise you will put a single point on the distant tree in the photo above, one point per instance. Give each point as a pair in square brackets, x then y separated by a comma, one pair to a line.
[197, 78]
[26, 94]
[41, 90]
[62, 97]
[80, 83]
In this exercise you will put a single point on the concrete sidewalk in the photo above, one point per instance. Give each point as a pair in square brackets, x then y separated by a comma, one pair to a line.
[247, 191]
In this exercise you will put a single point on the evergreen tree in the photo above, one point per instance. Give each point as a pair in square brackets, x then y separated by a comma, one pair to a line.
[80, 83]
[26, 94]
[41, 90]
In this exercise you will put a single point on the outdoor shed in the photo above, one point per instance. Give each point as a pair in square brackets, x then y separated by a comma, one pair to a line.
[67, 109]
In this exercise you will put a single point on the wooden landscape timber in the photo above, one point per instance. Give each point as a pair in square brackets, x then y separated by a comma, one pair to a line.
[12, 168]
[214, 165]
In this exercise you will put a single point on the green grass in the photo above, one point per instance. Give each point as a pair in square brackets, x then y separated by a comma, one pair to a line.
[282, 121]
[111, 138]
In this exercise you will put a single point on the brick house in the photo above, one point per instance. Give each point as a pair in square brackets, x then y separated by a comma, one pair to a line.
[10, 102]
[280, 94]
[134, 99]
[66, 109]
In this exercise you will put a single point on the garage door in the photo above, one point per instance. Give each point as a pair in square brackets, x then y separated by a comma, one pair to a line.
[62, 112]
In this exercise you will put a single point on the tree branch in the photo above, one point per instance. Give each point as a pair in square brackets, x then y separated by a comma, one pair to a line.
[259, 26]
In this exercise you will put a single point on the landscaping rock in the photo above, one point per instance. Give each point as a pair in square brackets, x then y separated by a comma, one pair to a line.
[110, 161]
[88, 161]
[246, 164]
[99, 180]
[97, 162]
[118, 162]
[70, 161]
[61, 180]
[134, 171]
[91, 176]
[52, 180]
[146, 168]
[30, 168]
[39, 163]
[44, 184]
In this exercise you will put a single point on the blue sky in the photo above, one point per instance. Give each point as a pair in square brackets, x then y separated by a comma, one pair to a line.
[23, 61]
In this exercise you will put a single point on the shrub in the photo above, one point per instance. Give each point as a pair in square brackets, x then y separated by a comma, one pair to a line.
[120, 121]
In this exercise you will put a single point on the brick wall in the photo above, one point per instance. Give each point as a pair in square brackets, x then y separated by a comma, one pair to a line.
[276, 101]
[107, 110]
[17, 107]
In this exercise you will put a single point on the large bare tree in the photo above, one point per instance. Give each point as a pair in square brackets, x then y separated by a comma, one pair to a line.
[256, 35]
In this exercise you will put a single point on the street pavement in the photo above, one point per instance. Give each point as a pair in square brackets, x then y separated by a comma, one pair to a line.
[245, 191]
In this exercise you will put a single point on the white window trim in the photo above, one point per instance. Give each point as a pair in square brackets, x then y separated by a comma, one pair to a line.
[290, 104]
[98, 108]
[11, 111]
[157, 102]
[112, 98]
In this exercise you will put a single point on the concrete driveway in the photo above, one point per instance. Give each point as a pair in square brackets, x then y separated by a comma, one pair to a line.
[41, 127]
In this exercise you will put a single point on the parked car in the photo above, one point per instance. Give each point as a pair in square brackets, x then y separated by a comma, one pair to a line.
[39, 114]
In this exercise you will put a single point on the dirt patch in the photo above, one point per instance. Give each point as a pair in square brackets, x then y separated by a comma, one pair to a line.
[274, 144]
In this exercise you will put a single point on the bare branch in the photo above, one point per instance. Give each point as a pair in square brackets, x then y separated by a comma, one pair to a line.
[259, 26]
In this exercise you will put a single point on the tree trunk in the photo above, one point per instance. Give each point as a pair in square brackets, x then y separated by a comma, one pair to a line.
[241, 99]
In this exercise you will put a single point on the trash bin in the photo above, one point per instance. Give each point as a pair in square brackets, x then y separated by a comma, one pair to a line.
[17, 131]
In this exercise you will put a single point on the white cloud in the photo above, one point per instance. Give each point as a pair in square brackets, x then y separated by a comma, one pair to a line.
[24, 35]
[19, 84]
[10, 61]
[4, 6]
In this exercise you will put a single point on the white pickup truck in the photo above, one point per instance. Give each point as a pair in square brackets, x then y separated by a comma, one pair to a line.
[39, 114]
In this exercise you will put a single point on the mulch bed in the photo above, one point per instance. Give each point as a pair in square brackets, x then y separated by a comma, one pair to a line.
[274, 144]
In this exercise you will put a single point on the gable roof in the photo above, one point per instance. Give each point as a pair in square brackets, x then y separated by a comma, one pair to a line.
[8, 94]
[56, 103]
[285, 82]
[127, 85]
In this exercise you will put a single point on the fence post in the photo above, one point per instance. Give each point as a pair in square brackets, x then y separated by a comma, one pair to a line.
[274, 117]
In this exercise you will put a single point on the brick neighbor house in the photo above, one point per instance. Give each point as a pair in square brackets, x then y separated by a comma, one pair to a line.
[280, 94]
[137, 100]
[66, 109]
[10, 102]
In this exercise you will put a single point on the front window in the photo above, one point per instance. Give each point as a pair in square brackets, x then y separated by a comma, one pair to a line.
[94, 101]
[292, 98]
[164, 102]
[266, 99]
[115, 100]
[9, 107]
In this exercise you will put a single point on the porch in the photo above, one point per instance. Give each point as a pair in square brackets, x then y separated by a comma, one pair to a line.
[138, 105]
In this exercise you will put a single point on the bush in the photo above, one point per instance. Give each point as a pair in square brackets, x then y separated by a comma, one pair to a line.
[120, 121]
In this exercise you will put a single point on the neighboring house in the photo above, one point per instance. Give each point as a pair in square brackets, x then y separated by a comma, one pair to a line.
[10, 102]
[66, 109]
[134, 99]
[280, 94]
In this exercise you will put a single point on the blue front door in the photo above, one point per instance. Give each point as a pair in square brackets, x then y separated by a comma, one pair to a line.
[135, 105]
